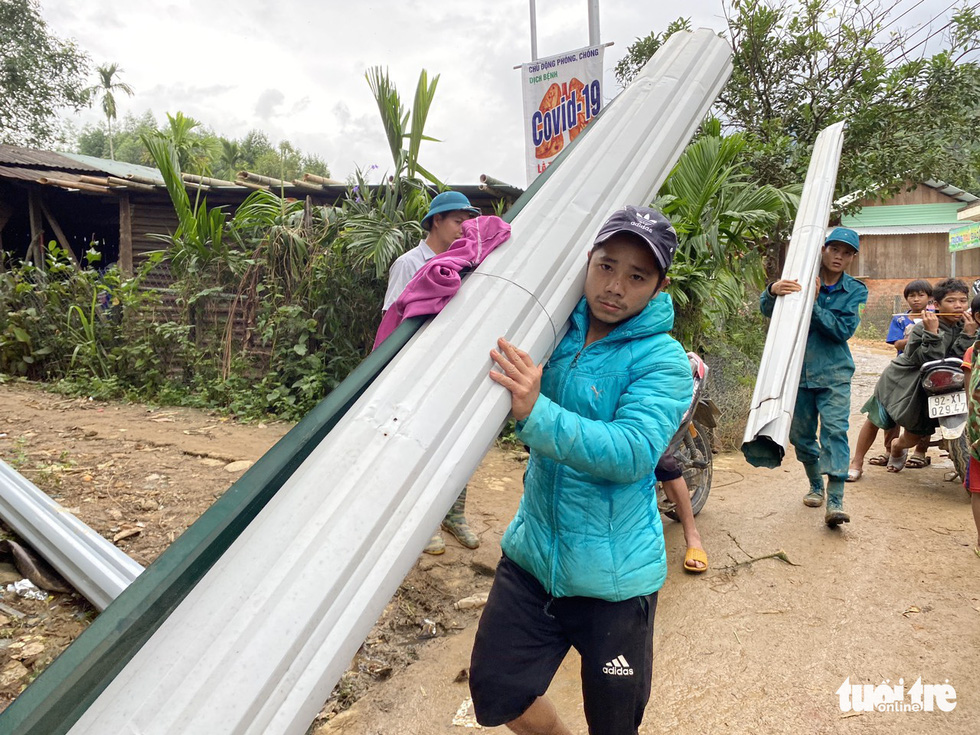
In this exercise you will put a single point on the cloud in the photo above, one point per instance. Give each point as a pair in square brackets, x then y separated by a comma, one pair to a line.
[267, 103]
[315, 95]
[300, 106]
[342, 112]
[105, 18]
[181, 91]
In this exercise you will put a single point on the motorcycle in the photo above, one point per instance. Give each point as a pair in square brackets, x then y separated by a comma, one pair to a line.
[943, 383]
[691, 444]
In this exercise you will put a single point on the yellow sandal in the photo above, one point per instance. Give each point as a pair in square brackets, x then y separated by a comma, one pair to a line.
[695, 555]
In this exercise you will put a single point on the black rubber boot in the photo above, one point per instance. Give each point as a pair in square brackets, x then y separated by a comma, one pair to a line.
[835, 504]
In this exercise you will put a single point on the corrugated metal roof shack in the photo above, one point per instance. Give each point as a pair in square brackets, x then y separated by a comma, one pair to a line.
[83, 202]
[907, 237]
[79, 200]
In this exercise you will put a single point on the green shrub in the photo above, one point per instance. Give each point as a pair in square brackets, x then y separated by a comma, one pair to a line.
[733, 353]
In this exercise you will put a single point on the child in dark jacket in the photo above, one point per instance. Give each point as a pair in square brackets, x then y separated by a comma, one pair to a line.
[899, 399]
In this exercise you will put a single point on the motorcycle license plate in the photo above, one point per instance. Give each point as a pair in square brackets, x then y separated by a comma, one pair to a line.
[948, 404]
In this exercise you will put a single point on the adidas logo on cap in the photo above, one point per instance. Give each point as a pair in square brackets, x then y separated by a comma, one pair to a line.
[619, 666]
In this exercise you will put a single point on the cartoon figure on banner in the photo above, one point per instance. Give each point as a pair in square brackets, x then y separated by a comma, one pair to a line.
[561, 96]
[564, 108]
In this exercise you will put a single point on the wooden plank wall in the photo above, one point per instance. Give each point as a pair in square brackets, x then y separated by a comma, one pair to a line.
[152, 217]
[911, 256]
[921, 195]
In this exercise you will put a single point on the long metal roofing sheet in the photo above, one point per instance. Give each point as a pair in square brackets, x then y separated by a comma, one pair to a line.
[903, 214]
[92, 564]
[907, 229]
[778, 380]
[121, 169]
[240, 657]
[951, 191]
[23, 174]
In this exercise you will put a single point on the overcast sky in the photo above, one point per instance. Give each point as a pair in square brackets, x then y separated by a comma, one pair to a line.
[296, 69]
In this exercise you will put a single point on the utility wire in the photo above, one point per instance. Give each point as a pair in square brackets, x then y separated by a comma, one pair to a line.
[895, 20]
[934, 33]
[905, 52]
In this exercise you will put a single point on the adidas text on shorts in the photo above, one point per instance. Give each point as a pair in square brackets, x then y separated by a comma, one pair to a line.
[525, 633]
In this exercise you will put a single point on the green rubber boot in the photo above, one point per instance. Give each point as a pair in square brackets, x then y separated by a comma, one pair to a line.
[436, 545]
[455, 523]
[814, 498]
[835, 504]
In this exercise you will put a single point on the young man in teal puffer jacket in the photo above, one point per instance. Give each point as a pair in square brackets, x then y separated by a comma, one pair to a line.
[584, 556]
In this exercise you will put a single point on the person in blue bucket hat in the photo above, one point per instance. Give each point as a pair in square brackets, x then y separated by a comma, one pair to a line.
[444, 225]
[447, 203]
[824, 396]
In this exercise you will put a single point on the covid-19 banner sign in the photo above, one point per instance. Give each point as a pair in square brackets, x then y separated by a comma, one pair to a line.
[561, 95]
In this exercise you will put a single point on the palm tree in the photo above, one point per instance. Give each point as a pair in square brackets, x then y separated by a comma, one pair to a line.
[395, 119]
[231, 158]
[198, 245]
[723, 219]
[380, 225]
[192, 149]
[107, 87]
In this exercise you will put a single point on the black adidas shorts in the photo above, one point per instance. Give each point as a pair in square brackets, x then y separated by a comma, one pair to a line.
[525, 633]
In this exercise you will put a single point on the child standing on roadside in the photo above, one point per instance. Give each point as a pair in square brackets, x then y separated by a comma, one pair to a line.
[918, 295]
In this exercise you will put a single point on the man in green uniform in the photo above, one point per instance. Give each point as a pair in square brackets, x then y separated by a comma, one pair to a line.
[824, 395]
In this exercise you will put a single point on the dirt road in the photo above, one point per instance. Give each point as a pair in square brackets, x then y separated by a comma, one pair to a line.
[751, 646]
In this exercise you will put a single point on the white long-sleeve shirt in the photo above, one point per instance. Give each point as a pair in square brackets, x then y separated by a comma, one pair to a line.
[403, 270]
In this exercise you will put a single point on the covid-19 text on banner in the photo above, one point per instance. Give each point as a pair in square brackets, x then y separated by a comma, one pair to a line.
[561, 95]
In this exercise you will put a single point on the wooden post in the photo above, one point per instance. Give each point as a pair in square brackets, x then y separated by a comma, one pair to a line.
[35, 251]
[6, 212]
[59, 233]
[125, 236]
[325, 181]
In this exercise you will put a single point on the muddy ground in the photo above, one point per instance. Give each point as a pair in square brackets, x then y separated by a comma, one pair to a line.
[755, 644]
[140, 475]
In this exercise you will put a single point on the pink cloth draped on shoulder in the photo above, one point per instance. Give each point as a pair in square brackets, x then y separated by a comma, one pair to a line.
[437, 281]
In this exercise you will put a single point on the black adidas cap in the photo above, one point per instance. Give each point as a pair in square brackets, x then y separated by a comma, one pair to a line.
[647, 224]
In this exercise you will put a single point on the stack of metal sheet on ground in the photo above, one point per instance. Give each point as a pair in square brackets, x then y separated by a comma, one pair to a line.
[258, 644]
[89, 562]
[767, 429]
